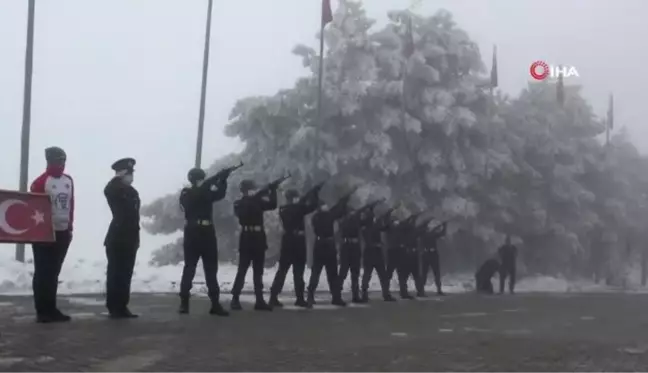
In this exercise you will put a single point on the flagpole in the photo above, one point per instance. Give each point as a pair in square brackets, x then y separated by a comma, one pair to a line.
[320, 121]
[203, 89]
[26, 125]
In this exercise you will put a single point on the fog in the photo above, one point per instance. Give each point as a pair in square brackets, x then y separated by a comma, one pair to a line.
[122, 78]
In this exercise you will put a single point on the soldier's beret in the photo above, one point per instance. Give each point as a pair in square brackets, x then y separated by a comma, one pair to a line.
[54, 153]
[124, 164]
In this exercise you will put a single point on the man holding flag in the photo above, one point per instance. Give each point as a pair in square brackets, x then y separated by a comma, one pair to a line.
[49, 256]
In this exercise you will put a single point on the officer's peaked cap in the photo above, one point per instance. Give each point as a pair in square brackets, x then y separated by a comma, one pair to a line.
[247, 185]
[54, 153]
[196, 174]
[291, 193]
[124, 164]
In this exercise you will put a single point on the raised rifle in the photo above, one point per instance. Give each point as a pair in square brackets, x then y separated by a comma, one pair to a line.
[273, 185]
[368, 207]
[312, 192]
[225, 173]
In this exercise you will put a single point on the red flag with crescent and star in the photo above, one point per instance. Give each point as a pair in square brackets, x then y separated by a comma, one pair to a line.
[25, 217]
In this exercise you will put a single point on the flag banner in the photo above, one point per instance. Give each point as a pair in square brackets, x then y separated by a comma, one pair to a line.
[327, 13]
[494, 77]
[25, 217]
[610, 113]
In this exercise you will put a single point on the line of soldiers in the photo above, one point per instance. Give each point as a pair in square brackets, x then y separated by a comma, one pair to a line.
[411, 251]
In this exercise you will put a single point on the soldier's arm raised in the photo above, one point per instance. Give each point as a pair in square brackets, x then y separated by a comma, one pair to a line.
[218, 190]
[269, 203]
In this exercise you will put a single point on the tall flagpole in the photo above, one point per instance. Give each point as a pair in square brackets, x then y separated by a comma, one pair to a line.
[203, 90]
[320, 77]
[24, 139]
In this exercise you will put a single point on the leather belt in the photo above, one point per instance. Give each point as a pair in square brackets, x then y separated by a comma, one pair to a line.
[319, 238]
[296, 233]
[204, 223]
[351, 240]
[431, 249]
[252, 228]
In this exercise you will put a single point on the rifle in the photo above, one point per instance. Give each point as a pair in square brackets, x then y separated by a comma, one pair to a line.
[368, 207]
[225, 173]
[347, 196]
[312, 192]
[412, 218]
[273, 185]
[387, 213]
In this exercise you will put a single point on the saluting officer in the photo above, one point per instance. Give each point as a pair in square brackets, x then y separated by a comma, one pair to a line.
[293, 244]
[122, 239]
[249, 210]
[200, 237]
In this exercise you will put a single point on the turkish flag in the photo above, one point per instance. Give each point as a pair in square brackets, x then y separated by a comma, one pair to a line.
[25, 217]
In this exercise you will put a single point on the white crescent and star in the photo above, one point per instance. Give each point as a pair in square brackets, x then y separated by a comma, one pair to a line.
[38, 217]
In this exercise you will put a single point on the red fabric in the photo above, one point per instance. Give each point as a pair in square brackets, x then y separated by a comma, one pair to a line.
[55, 170]
[25, 217]
[38, 185]
[327, 13]
[71, 203]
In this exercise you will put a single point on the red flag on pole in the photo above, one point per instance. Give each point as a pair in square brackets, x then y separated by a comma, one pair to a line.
[25, 217]
[327, 13]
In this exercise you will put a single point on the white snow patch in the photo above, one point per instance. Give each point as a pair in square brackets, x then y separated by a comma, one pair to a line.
[80, 276]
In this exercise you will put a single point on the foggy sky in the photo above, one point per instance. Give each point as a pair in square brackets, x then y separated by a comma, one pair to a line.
[118, 78]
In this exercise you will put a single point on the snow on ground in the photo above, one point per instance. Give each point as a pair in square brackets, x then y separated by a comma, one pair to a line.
[81, 275]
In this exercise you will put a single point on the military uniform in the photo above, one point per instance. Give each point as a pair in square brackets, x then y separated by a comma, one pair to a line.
[252, 241]
[484, 275]
[430, 257]
[200, 237]
[508, 256]
[398, 258]
[325, 252]
[293, 246]
[122, 239]
[373, 258]
[351, 253]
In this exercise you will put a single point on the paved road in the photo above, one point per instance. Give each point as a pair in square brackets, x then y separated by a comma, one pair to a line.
[528, 332]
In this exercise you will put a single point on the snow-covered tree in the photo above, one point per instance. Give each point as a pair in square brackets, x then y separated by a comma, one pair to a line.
[407, 114]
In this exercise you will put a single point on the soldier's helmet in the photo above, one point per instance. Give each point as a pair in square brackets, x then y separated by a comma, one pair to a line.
[247, 185]
[291, 194]
[54, 154]
[196, 174]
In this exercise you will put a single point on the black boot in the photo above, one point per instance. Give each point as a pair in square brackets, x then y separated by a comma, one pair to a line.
[300, 302]
[235, 304]
[274, 302]
[405, 295]
[261, 304]
[387, 297]
[217, 309]
[365, 297]
[440, 292]
[421, 294]
[311, 299]
[337, 301]
[184, 305]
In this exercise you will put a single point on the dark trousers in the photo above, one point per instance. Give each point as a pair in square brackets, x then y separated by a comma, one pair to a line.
[121, 262]
[484, 285]
[507, 270]
[324, 257]
[252, 249]
[292, 254]
[48, 260]
[350, 260]
[430, 259]
[397, 262]
[200, 243]
[374, 260]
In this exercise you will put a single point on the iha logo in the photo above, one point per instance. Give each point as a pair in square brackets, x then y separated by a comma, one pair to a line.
[541, 70]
